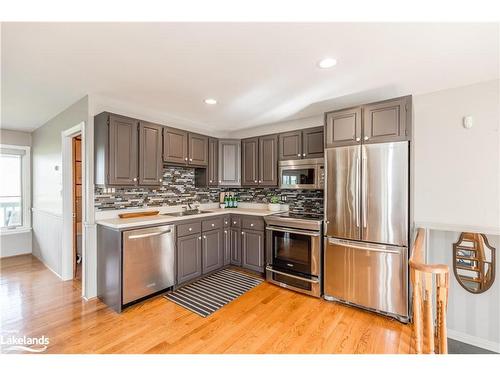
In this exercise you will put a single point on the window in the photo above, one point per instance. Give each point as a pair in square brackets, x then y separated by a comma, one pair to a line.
[14, 188]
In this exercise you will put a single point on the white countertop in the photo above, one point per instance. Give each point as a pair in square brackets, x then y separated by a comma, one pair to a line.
[117, 223]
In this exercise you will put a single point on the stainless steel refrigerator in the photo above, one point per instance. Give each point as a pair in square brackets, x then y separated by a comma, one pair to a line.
[366, 226]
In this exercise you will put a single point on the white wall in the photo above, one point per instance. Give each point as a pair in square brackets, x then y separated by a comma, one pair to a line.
[457, 169]
[472, 318]
[15, 243]
[47, 183]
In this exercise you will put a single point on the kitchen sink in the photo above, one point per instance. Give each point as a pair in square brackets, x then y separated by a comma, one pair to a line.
[186, 213]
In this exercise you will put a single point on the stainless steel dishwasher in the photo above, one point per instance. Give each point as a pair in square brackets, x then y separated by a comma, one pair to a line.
[148, 261]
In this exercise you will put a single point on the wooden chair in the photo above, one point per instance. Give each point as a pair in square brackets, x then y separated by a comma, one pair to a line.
[430, 283]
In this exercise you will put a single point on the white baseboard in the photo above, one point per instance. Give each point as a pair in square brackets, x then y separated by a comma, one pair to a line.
[473, 340]
[48, 267]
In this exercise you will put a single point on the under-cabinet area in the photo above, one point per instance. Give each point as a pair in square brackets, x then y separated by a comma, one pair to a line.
[138, 261]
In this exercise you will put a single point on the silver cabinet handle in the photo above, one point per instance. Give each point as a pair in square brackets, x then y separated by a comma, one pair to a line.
[220, 181]
[204, 237]
[242, 232]
[366, 138]
[298, 155]
[303, 154]
[186, 159]
[161, 179]
[225, 232]
[135, 178]
[210, 181]
[190, 159]
[234, 222]
[190, 229]
[145, 235]
[251, 224]
[313, 280]
[358, 139]
[213, 224]
[255, 181]
[199, 238]
[260, 181]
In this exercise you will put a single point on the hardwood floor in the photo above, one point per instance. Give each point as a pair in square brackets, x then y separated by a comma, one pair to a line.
[267, 319]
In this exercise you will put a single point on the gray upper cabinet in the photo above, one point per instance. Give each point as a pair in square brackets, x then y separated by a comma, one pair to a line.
[198, 149]
[268, 160]
[116, 150]
[175, 146]
[387, 121]
[213, 162]
[290, 145]
[229, 162]
[313, 143]
[249, 161]
[150, 154]
[188, 258]
[302, 144]
[252, 250]
[343, 128]
[212, 250]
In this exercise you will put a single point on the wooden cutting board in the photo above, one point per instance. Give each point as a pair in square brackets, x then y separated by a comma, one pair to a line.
[138, 214]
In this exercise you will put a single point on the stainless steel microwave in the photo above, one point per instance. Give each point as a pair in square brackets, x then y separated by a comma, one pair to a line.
[302, 174]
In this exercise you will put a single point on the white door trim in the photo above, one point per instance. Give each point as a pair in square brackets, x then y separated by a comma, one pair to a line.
[67, 200]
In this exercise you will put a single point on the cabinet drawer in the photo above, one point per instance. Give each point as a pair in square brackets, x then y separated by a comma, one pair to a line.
[211, 224]
[226, 221]
[253, 223]
[186, 229]
[235, 221]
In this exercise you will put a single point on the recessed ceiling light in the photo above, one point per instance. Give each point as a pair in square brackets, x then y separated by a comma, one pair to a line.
[327, 62]
[210, 101]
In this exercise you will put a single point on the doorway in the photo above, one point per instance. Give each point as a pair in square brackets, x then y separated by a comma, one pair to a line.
[77, 209]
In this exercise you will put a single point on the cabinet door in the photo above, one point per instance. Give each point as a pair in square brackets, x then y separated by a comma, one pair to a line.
[343, 128]
[249, 161]
[229, 162]
[268, 160]
[212, 250]
[213, 162]
[313, 143]
[175, 146]
[290, 145]
[235, 234]
[123, 151]
[198, 149]
[227, 246]
[252, 250]
[150, 157]
[188, 258]
[385, 121]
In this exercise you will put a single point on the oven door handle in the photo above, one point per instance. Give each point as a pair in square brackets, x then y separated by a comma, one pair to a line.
[294, 231]
[312, 281]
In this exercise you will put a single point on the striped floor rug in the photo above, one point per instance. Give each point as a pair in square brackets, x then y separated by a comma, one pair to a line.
[210, 293]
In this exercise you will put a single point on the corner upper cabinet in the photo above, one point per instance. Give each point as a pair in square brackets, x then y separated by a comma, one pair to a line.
[115, 150]
[175, 146]
[229, 162]
[313, 142]
[250, 161]
[198, 150]
[387, 121]
[268, 160]
[290, 145]
[150, 154]
[343, 128]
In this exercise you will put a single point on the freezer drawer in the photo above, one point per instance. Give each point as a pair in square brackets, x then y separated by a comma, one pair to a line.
[369, 275]
[148, 261]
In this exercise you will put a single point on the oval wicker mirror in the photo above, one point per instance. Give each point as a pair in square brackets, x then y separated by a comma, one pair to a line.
[474, 262]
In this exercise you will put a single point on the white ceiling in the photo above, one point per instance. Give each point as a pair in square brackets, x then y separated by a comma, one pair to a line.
[259, 73]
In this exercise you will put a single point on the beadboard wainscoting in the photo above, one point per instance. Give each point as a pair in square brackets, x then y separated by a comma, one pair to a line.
[47, 239]
[179, 188]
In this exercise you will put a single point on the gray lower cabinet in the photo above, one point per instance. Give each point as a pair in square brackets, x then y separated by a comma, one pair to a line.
[235, 239]
[252, 250]
[188, 257]
[227, 246]
[212, 250]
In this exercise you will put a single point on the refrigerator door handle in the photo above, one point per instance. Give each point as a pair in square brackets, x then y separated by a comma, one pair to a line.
[364, 189]
[367, 247]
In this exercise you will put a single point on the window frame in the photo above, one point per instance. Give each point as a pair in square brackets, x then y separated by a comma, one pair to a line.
[25, 190]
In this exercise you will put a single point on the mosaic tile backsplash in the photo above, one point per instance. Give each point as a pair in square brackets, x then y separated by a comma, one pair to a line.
[179, 188]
